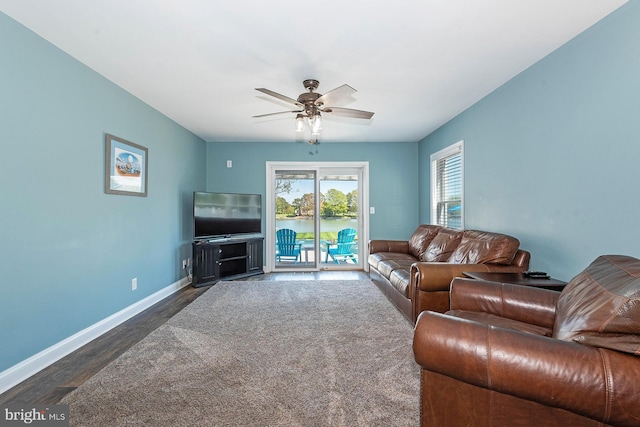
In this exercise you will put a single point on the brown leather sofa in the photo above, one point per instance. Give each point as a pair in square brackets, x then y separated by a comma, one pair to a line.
[508, 355]
[416, 274]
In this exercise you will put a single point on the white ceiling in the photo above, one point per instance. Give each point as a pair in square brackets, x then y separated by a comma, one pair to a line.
[415, 63]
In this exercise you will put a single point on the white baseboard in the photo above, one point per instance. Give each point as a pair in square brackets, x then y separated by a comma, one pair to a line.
[16, 374]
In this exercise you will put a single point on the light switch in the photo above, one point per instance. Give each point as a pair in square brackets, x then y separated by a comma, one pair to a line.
[229, 163]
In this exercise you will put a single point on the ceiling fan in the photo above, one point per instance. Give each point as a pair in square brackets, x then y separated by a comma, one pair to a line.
[311, 105]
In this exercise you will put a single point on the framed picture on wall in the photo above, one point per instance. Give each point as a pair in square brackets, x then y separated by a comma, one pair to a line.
[126, 167]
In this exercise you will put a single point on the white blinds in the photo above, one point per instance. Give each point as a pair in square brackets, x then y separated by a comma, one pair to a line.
[447, 187]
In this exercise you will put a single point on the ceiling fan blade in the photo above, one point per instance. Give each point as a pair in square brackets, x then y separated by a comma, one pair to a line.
[348, 112]
[279, 112]
[336, 95]
[277, 95]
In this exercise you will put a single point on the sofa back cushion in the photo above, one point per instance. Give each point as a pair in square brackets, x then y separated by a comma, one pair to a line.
[601, 305]
[421, 239]
[442, 246]
[479, 247]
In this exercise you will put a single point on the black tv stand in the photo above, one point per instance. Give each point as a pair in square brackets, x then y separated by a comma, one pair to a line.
[229, 258]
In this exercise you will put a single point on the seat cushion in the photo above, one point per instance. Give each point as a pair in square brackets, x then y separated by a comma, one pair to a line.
[378, 257]
[400, 280]
[442, 246]
[601, 305]
[387, 266]
[479, 247]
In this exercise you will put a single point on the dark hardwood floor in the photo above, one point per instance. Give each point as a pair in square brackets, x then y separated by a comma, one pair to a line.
[54, 382]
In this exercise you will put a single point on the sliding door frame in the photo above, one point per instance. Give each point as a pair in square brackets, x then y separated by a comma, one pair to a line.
[318, 167]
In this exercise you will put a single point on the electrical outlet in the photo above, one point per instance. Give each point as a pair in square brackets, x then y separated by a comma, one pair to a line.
[184, 264]
[134, 283]
[189, 262]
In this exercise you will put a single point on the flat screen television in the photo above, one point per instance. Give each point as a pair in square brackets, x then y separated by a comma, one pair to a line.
[224, 215]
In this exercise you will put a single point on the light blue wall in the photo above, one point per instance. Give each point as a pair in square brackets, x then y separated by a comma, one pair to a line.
[552, 157]
[68, 250]
[393, 175]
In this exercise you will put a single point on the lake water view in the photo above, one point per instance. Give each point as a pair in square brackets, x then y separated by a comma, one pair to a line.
[305, 225]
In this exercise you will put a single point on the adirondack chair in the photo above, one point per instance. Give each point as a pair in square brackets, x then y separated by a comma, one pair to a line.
[286, 245]
[342, 250]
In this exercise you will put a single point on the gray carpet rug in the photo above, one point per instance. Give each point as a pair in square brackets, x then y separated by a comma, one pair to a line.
[264, 353]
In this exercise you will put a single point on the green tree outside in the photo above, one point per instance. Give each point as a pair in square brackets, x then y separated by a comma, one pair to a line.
[335, 204]
[332, 204]
[283, 207]
[352, 202]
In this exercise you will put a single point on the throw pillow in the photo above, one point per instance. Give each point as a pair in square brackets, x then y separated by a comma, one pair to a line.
[601, 305]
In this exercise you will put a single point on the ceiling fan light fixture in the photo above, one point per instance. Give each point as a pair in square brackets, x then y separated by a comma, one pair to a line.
[316, 124]
[299, 123]
[310, 104]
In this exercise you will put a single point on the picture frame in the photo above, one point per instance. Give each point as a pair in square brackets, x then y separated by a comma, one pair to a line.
[126, 167]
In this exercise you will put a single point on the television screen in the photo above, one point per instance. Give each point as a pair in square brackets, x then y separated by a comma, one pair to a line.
[226, 214]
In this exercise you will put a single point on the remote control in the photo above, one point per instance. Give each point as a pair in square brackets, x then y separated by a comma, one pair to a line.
[536, 274]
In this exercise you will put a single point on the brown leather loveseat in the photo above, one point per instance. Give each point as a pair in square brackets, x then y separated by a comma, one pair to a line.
[508, 355]
[416, 274]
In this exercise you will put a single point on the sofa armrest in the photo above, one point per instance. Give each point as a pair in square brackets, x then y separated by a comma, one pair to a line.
[523, 303]
[398, 246]
[437, 276]
[597, 383]
[430, 282]
[522, 259]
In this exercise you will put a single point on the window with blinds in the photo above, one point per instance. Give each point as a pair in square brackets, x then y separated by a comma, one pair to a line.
[447, 185]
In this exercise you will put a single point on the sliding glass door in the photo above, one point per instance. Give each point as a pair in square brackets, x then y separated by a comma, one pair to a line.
[339, 217]
[315, 215]
[295, 218]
